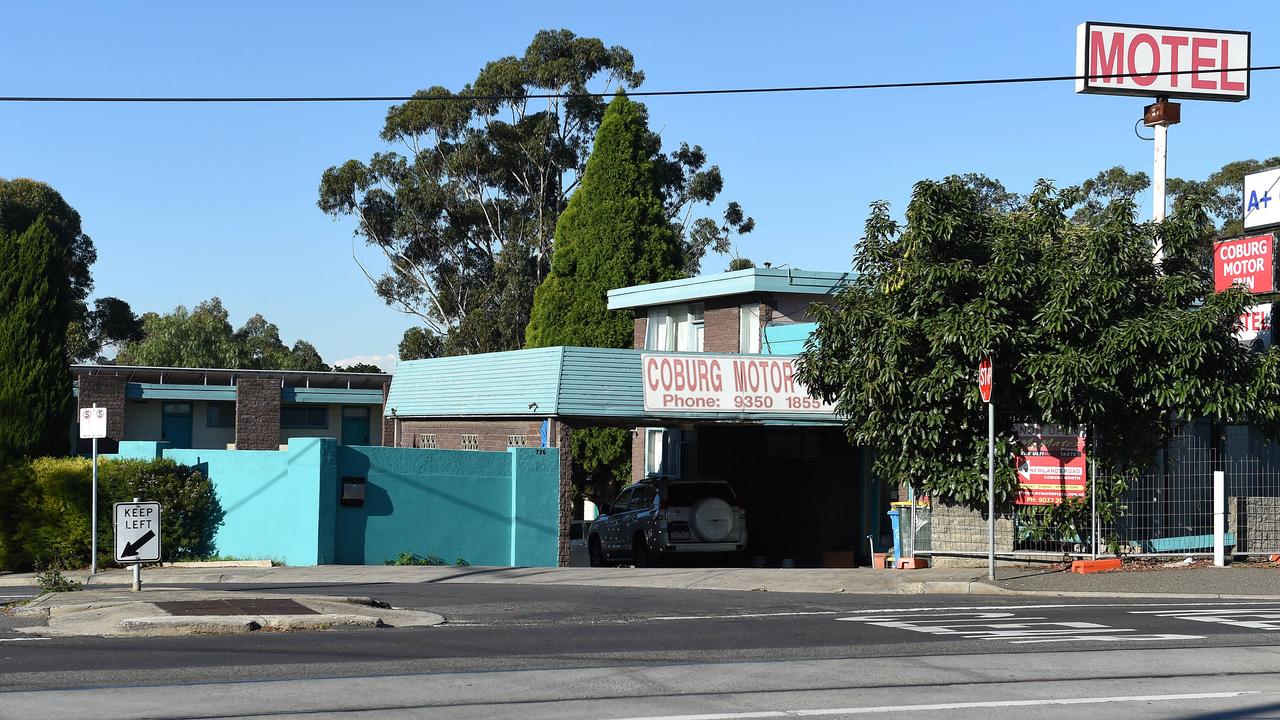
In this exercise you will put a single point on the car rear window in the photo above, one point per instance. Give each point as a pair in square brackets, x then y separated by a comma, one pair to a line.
[685, 494]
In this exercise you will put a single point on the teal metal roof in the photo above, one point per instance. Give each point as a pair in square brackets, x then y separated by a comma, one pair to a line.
[572, 382]
[739, 282]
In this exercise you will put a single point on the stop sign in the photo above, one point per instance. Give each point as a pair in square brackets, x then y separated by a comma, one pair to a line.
[984, 379]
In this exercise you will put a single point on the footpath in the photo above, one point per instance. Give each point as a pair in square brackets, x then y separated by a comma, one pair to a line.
[106, 605]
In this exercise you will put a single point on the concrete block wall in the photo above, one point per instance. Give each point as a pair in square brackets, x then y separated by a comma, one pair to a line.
[958, 529]
[487, 508]
[257, 413]
[1255, 522]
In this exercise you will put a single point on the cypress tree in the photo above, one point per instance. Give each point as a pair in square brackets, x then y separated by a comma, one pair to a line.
[35, 306]
[614, 233]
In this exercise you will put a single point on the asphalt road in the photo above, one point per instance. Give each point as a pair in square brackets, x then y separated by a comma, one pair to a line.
[532, 651]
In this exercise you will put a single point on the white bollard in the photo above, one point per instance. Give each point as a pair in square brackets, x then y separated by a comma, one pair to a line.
[1219, 518]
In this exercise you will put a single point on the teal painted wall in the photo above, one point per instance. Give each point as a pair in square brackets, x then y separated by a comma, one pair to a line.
[787, 339]
[488, 508]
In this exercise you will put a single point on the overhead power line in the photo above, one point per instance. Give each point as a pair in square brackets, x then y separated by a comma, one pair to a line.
[634, 94]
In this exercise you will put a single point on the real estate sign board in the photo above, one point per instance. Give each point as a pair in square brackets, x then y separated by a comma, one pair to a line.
[709, 383]
[1157, 61]
[1051, 467]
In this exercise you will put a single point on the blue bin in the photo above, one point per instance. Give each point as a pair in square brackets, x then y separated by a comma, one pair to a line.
[897, 535]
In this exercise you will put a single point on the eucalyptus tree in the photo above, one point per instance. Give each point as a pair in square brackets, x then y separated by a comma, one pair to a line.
[463, 206]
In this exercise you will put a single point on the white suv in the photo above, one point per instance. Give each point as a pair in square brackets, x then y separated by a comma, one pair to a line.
[661, 516]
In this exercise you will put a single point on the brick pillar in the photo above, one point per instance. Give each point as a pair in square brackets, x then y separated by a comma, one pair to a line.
[563, 442]
[257, 413]
[641, 329]
[388, 425]
[107, 391]
[637, 454]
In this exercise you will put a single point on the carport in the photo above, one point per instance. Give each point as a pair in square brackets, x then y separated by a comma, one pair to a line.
[808, 495]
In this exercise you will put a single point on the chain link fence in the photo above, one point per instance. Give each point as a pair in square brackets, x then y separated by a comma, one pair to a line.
[1166, 511]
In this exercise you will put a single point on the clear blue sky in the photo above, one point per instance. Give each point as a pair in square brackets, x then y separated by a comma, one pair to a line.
[188, 202]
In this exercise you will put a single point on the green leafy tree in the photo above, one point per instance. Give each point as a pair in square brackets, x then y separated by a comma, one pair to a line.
[110, 324]
[23, 201]
[36, 302]
[419, 344]
[360, 367]
[614, 233]
[1084, 331]
[1220, 193]
[464, 209]
[204, 337]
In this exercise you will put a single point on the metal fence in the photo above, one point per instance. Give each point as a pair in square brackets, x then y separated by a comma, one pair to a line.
[1166, 511]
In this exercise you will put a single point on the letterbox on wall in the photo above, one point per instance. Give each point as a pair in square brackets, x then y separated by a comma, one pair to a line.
[353, 491]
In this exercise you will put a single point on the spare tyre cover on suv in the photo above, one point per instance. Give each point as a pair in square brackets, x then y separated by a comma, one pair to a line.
[711, 519]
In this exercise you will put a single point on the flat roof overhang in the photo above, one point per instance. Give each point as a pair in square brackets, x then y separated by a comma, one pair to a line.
[739, 282]
[589, 385]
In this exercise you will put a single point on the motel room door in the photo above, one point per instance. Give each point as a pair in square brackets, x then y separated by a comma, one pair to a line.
[355, 426]
[175, 424]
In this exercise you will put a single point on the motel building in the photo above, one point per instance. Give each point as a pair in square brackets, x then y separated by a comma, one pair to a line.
[707, 393]
[199, 408]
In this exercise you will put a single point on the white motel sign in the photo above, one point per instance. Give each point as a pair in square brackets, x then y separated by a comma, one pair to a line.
[137, 532]
[1156, 61]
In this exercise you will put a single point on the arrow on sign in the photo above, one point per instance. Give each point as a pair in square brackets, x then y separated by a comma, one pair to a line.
[133, 547]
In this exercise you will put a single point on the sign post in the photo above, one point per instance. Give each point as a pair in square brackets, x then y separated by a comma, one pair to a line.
[93, 424]
[137, 527]
[984, 387]
[1163, 63]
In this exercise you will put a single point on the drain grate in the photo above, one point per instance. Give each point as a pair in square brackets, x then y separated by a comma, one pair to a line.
[273, 606]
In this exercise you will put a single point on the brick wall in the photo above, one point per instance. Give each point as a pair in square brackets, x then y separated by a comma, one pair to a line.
[642, 328]
[388, 425]
[563, 442]
[107, 391]
[257, 413]
[637, 454]
[491, 434]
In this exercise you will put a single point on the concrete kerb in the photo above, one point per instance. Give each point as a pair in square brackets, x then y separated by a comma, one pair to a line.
[113, 613]
[951, 581]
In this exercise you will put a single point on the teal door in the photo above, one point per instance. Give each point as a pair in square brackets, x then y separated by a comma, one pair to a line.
[355, 426]
[175, 425]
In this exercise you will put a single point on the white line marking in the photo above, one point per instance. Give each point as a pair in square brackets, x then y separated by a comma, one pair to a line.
[746, 615]
[949, 706]
[22, 639]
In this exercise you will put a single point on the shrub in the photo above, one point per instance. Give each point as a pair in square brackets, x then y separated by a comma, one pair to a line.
[46, 509]
[190, 509]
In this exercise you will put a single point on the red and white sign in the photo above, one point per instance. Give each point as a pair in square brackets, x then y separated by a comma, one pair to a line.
[1211, 64]
[1051, 468]
[984, 379]
[706, 383]
[1255, 325]
[1247, 261]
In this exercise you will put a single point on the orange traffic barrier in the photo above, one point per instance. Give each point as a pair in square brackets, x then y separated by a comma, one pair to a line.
[1093, 566]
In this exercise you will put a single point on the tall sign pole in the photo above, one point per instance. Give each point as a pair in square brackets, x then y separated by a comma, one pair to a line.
[1162, 62]
[984, 387]
[93, 424]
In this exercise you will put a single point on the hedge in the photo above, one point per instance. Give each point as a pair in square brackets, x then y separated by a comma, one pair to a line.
[45, 509]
